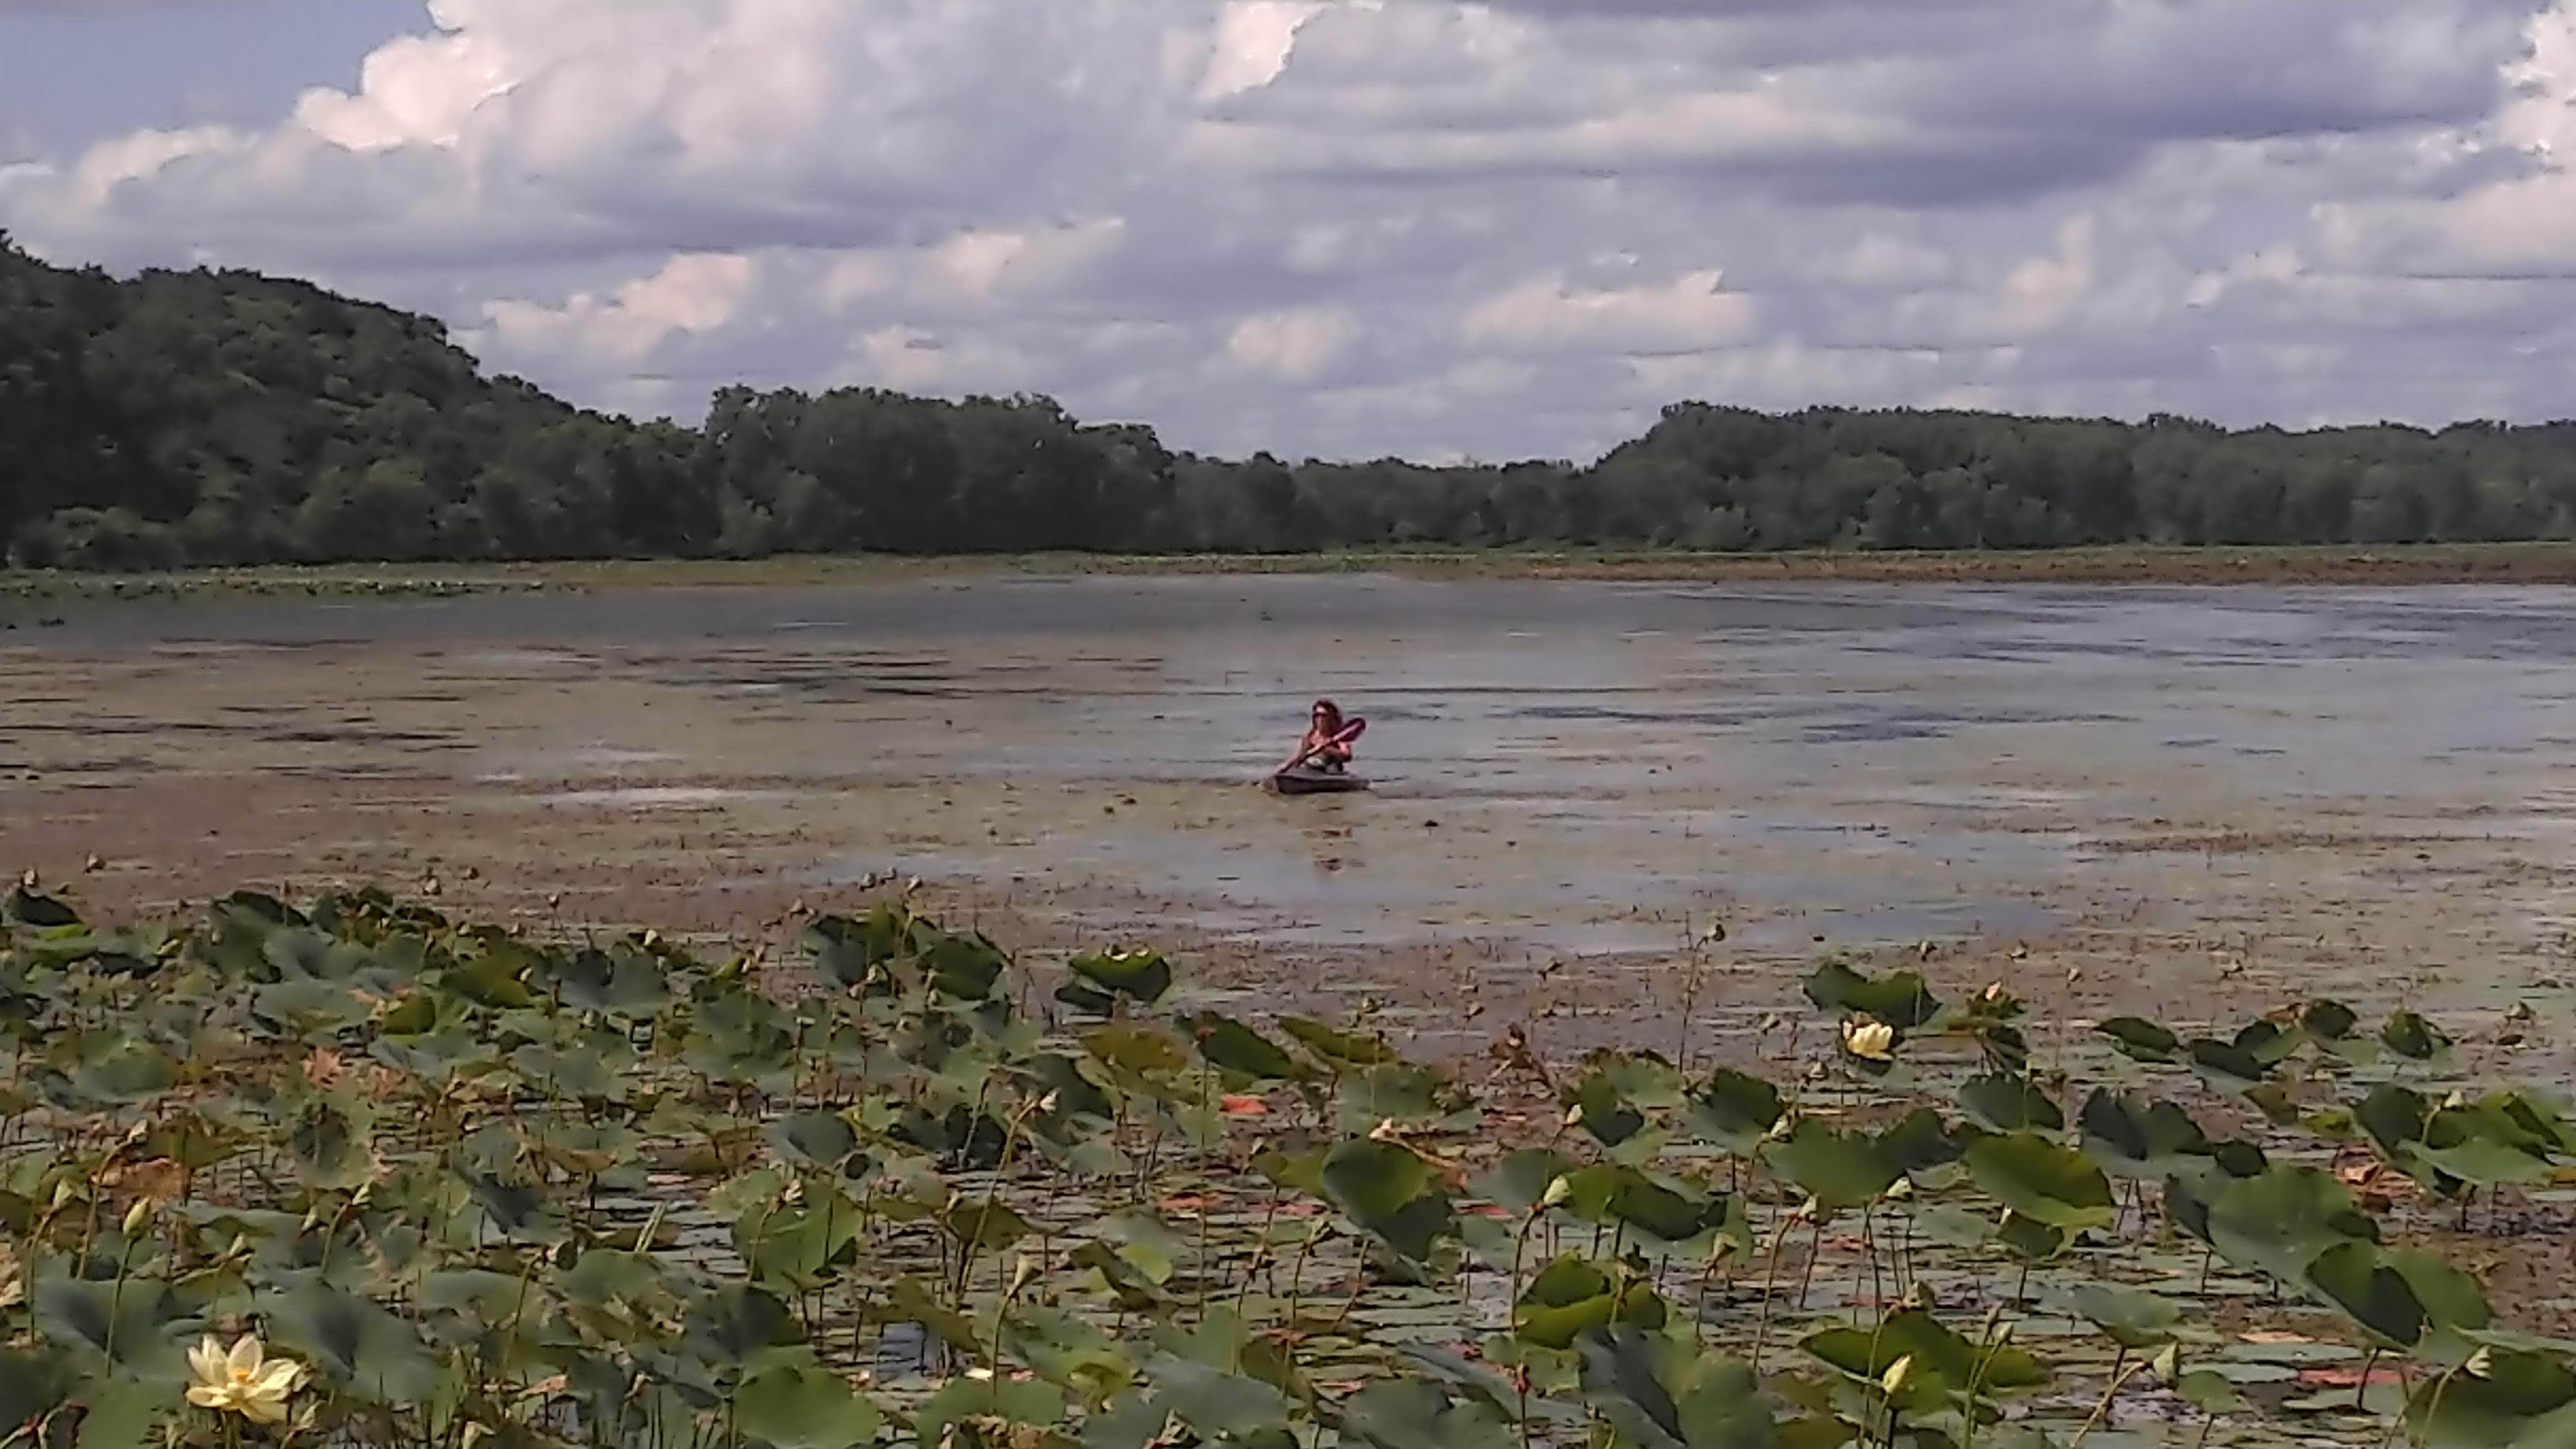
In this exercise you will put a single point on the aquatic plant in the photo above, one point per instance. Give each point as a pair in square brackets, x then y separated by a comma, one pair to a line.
[357, 1173]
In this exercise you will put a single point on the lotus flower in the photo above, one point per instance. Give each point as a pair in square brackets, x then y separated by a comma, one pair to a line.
[245, 1381]
[1869, 1039]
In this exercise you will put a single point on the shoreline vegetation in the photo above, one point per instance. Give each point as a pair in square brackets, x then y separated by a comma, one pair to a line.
[2551, 564]
[190, 420]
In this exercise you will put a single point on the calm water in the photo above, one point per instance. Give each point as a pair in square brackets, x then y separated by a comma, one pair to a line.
[1595, 764]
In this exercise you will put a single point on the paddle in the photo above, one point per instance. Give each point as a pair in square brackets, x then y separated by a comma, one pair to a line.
[1349, 733]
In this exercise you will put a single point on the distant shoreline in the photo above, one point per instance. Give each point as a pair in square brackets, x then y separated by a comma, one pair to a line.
[2504, 563]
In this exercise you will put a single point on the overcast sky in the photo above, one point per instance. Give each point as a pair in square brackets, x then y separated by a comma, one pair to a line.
[1504, 229]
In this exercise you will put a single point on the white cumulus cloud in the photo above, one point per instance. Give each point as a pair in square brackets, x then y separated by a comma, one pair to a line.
[1350, 227]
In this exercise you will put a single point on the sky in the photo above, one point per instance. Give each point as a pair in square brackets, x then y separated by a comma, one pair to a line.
[1348, 228]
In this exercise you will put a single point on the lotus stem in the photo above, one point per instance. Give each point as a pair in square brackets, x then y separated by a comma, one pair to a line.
[1770, 1275]
[2102, 1410]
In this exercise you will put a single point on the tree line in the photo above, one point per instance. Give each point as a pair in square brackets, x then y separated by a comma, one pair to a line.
[215, 418]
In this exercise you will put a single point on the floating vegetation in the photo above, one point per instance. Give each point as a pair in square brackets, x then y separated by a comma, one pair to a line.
[360, 1174]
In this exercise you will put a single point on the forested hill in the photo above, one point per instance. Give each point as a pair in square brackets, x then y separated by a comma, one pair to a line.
[223, 418]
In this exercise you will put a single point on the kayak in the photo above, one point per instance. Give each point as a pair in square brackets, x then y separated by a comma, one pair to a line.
[1313, 782]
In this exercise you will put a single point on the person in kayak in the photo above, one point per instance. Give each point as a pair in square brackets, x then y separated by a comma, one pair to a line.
[1331, 753]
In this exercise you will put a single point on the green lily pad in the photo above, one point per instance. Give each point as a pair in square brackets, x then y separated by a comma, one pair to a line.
[356, 1344]
[2132, 1317]
[1900, 999]
[803, 1408]
[1412, 1414]
[2010, 1104]
[1735, 1111]
[2517, 1401]
[1391, 1191]
[1140, 976]
[2283, 1220]
[2140, 1039]
[2043, 1181]
[1837, 1169]
[2373, 1294]
[1234, 1048]
[1664, 1392]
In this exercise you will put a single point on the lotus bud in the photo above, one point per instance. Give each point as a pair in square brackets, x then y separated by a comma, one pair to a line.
[1051, 1101]
[1899, 1190]
[1574, 1115]
[62, 1194]
[137, 1218]
[2480, 1365]
[1869, 1039]
[1560, 1188]
[2168, 1364]
[1894, 1379]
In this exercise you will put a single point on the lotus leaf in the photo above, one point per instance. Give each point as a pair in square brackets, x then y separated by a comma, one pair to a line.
[2010, 1104]
[855, 954]
[802, 1408]
[1600, 1109]
[1032, 1402]
[360, 1345]
[2282, 1220]
[2481, 1145]
[1662, 1392]
[328, 1145]
[1144, 1051]
[1240, 1052]
[624, 984]
[2412, 1037]
[1735, 1111]
[1900, 999]
[2138, 1140]
[1568, 1298]
[135, 1326]
[1069, 1352]
[966, 968]
[25, 907]
[1942, 1364]
[2042, 1181]
[1401, 1091]
[2132, 1317]
[2514, 1401]
[1140, 976]
[1920, 1142]
[1390, 1190]
[1411, 1414]
[1607, 1193]
[734, 1327]
[1836, 1169]
[2227, 1066]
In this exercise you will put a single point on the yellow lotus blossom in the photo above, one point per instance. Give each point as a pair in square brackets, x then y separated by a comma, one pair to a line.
[245, 1381]
[1869, 1039]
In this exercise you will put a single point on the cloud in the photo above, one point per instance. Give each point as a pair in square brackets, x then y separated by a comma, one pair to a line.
[1296, 346]
[1692, 313]
[1357, 226]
